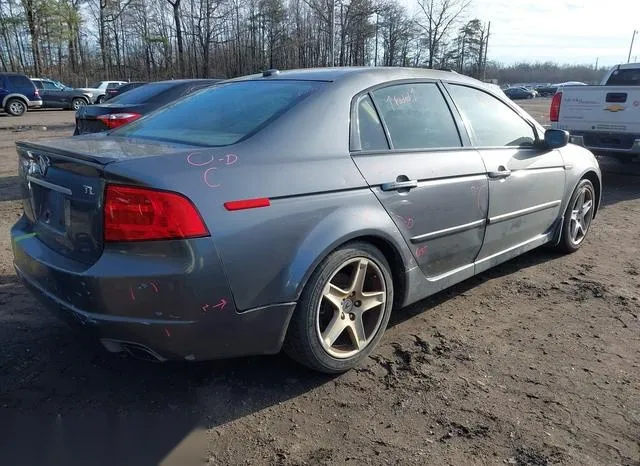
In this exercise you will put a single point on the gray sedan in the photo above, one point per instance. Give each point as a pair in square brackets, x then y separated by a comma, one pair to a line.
[292, 210]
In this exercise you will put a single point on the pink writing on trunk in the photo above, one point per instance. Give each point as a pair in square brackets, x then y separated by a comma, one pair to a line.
[421, 251]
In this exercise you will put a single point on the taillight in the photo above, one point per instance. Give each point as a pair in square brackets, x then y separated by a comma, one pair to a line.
[139, 214]
[37, 94]
[115, 120]
[554, 110]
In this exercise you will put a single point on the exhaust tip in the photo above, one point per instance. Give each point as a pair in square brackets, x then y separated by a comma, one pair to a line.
[133, 349]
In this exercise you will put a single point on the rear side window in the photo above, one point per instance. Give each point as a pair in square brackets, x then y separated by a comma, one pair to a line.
[491, 122]
[629, 77]
[113, 85]
[17, 80]
[370, 129]
[38, 84]
[221, 115]
[417, 116]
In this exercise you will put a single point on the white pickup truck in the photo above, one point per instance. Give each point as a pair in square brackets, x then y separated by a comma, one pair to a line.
[606, 118]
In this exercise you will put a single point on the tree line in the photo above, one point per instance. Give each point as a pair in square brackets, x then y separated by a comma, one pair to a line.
[82, 40]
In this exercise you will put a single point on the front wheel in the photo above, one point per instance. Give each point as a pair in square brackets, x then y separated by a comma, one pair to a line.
[343, 311]
[15, 107]
[577, 218]
[100, 99]
[77, 103]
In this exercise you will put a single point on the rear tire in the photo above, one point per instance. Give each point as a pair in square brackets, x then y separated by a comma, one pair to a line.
[100, 99]
[343, 310]
[15, 107]
[577, 217]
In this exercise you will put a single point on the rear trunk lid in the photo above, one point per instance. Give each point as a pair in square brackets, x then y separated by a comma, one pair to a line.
[62, 189]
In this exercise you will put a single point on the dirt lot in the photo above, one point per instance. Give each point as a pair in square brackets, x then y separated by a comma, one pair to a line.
[534, 362]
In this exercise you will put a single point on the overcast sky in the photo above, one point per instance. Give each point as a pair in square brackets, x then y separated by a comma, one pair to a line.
[565, 31]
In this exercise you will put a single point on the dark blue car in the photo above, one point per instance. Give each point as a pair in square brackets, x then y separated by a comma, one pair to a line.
[18, 93]
[519, 93]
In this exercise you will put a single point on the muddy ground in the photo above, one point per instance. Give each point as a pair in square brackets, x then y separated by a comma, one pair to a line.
[535, 362]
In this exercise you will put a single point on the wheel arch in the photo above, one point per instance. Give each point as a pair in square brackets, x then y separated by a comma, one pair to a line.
[15, 96]
[597, 185]
[387, 246]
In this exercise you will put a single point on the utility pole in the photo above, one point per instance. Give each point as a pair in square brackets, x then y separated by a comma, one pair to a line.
[486, 47]
[633, 36]
[333, 33]
[375, 58]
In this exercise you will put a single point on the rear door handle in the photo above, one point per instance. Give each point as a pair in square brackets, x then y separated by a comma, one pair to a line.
[501, 173]
[395, 185]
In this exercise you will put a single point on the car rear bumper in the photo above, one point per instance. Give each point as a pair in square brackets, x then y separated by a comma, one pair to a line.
[172, 315]
[608, 143]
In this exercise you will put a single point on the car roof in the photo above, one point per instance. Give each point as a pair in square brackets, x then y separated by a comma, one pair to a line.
[179, 81]
[339, 73]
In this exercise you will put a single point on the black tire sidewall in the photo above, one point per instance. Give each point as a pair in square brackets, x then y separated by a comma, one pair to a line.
[24, 107]
[308, 349]
[566, 244]
[100, 99]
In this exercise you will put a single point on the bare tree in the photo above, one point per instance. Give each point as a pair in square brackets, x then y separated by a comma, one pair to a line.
[440, 19]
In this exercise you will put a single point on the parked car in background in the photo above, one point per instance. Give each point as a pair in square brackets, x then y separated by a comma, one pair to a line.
[114, 91]
[604, 118]
[519, 93]
[18, 93]
[547, 90]
[97, 91]
[135, 103]
[240, 219]
[56, 95]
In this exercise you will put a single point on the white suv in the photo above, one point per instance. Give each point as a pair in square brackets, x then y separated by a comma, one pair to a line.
[98, 90]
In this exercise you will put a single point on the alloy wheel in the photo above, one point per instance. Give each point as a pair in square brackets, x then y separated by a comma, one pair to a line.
[16, 107]
[351, 308]
[581, 216]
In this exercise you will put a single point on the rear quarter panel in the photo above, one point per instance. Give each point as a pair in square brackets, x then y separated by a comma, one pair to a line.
[317, 203]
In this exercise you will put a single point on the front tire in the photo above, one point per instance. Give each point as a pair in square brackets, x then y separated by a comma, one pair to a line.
[100, 99]
[77, 103]
[15, 107]
[343, 311]
[578, 217]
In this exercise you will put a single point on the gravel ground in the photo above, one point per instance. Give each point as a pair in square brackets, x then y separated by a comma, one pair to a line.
[535, 362]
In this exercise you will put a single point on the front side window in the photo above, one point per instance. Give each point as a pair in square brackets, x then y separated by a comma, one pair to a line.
[221, 115]
[491, 122]
[417, 116]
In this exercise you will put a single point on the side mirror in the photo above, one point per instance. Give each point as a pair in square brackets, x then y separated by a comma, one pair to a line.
[556, 138]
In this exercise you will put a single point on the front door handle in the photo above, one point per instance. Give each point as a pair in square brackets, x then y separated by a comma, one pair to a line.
[501, 173]
[396, 185]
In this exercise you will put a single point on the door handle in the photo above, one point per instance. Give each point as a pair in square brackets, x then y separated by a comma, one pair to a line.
[500, 174]
[395, 185]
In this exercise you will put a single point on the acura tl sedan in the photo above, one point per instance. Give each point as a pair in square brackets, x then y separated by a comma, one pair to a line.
[292, 210]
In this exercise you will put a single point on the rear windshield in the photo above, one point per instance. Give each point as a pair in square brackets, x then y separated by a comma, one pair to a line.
[223, 114]
[630, 77]
[140, 94]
